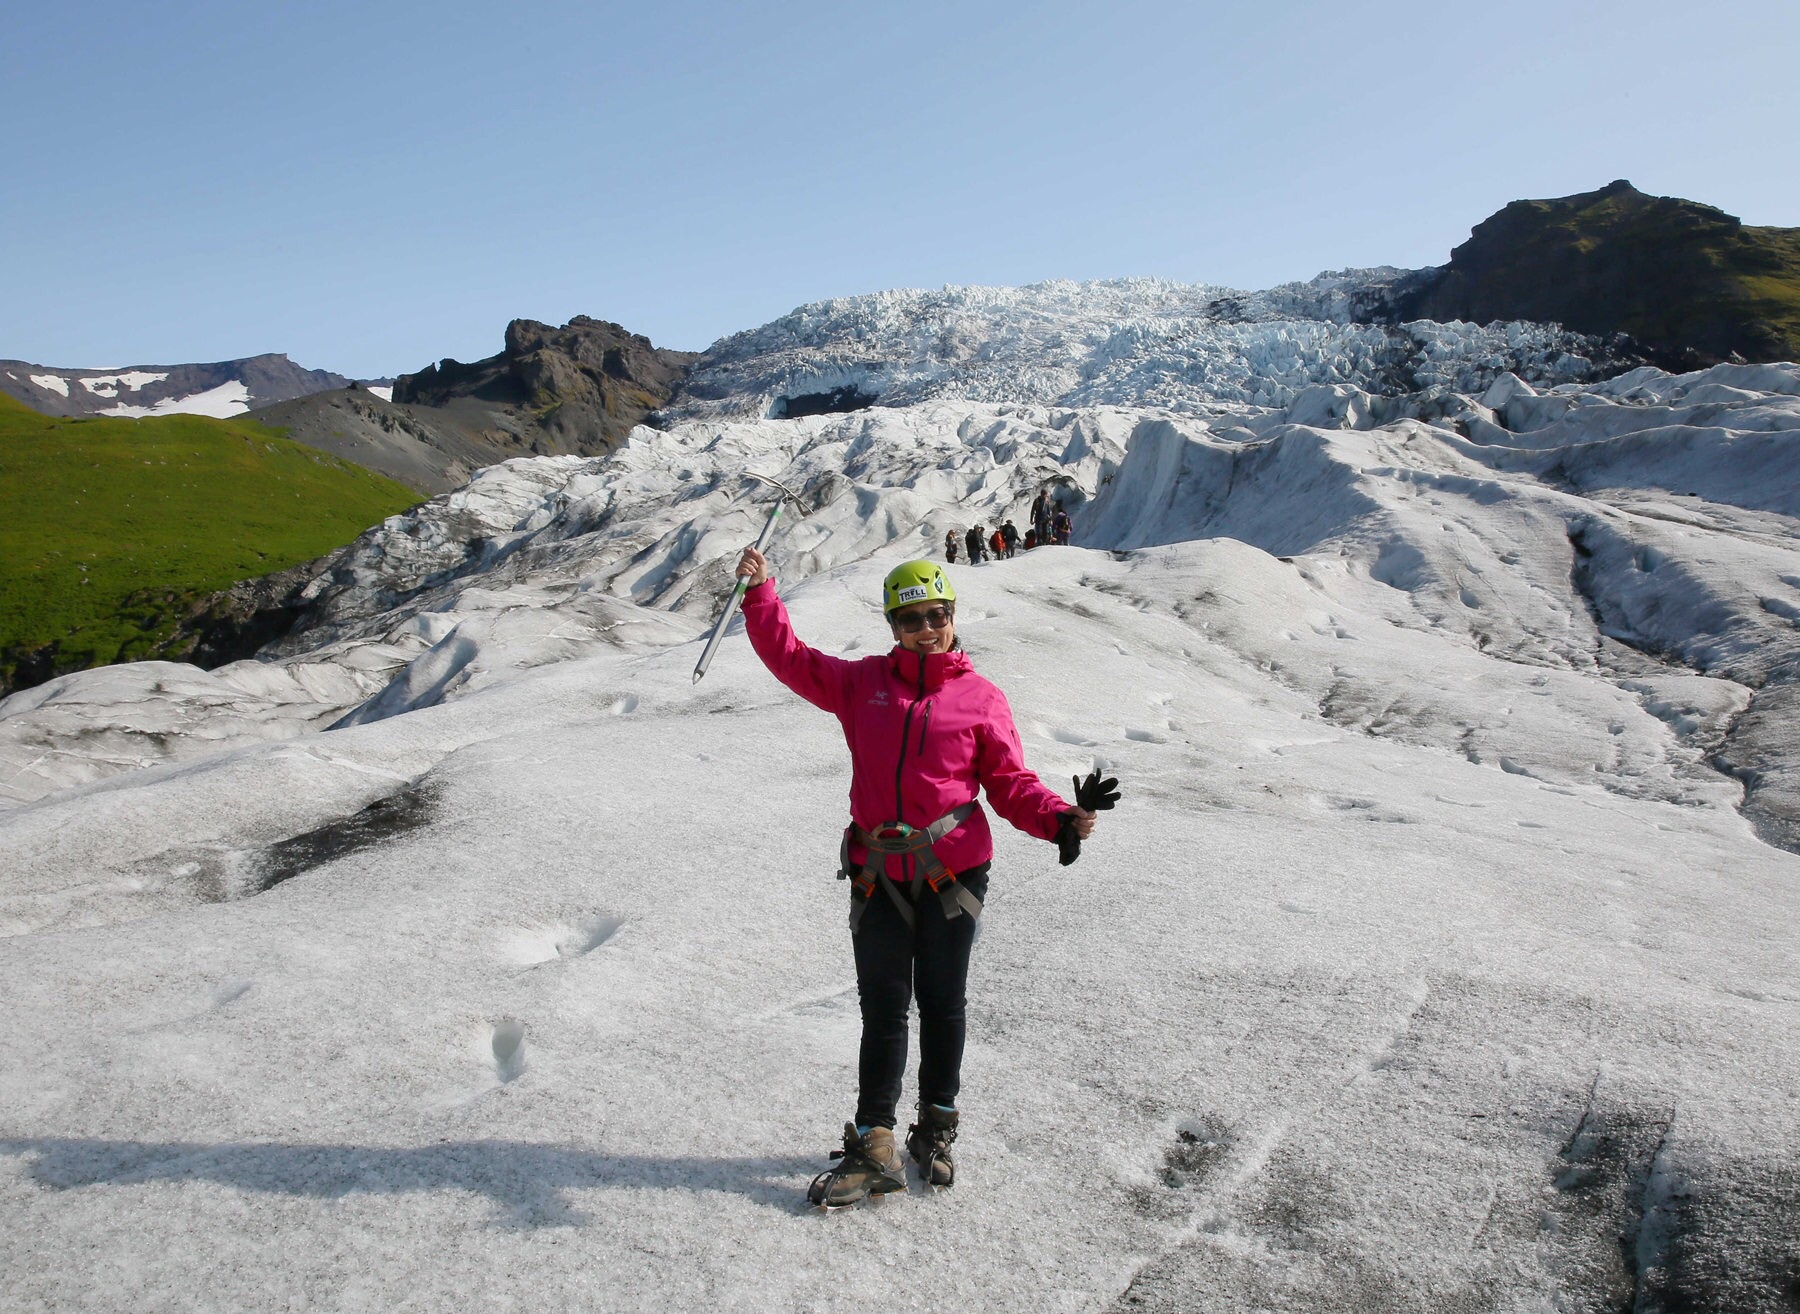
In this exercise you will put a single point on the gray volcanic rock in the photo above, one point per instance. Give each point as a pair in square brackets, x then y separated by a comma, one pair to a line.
[577, 390]
[223, 388]
[583, 386]
[426, 450]
[233, 623]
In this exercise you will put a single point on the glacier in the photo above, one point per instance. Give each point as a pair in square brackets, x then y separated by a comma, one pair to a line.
[1187, 347]
[1439, 955]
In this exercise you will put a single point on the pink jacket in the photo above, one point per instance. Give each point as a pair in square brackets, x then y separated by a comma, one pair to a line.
[923, 731]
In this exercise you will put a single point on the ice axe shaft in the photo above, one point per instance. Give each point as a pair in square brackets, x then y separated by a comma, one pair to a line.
[736, 599]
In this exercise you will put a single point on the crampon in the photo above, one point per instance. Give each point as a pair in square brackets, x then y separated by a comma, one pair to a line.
[869, 1164]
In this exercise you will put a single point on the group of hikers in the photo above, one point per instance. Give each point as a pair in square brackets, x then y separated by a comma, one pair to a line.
[1050, 524]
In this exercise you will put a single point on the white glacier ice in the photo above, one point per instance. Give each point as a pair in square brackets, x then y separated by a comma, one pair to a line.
[1188, 347]
[1439, 954]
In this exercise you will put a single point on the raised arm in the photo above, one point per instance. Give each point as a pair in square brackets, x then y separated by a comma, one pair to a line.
[820, 679]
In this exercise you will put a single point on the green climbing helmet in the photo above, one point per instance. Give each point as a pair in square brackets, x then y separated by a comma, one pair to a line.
[915, 581]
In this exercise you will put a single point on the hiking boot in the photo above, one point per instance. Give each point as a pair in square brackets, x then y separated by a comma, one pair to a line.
[928, 1141]
[869, 1164]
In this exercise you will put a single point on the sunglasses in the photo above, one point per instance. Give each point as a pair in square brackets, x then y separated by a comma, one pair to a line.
[938, 618]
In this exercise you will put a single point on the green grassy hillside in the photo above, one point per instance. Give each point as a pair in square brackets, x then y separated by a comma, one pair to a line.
[111, 529]
[1768, 283]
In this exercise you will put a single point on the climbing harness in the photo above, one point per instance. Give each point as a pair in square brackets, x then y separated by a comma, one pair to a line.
[896, 838]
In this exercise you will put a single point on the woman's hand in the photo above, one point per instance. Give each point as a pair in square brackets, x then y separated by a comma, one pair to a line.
[1072, 827]
[753, 568]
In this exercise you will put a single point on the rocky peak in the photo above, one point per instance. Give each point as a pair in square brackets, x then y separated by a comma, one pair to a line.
[1689, 282]
[586, 383]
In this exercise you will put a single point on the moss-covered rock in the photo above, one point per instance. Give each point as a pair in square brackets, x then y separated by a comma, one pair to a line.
[1692, 284]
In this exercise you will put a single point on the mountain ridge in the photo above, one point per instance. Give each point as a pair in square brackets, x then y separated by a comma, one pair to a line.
[221, 389]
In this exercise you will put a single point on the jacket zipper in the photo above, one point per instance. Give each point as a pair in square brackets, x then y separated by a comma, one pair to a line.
[905, 734]
[900, 763]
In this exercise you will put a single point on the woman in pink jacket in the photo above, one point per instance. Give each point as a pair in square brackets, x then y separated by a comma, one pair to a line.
[925, 731]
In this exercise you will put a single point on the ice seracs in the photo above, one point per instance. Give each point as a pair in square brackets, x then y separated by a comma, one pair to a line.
[1126, 342]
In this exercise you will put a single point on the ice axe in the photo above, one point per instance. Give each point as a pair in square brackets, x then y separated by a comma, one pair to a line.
[736, 599]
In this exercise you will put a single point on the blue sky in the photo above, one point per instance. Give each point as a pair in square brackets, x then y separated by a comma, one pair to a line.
[372, 186]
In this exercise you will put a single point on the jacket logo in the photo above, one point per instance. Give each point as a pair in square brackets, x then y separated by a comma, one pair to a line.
[879, 698]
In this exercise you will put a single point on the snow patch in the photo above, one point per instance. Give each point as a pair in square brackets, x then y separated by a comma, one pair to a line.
[108, 385]
[222, 402]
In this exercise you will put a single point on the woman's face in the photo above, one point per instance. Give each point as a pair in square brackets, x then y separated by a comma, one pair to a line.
[936, 623]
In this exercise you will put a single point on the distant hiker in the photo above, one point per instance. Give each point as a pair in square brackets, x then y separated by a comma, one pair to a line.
[926, 735]
[1009, 534]
[1030, 539]
[977, 546]
[950, 546]
[997, 544]
[1061, 527]
[1040, 515]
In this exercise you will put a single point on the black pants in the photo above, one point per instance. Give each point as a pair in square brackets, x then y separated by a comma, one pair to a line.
[895, 962]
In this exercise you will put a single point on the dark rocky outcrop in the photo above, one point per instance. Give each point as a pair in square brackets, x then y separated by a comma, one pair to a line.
[1692, 285]
[577, 390]
[584, 385]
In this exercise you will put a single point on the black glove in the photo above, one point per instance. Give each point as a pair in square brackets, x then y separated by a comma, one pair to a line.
[1095, 794]
[1068, 843]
